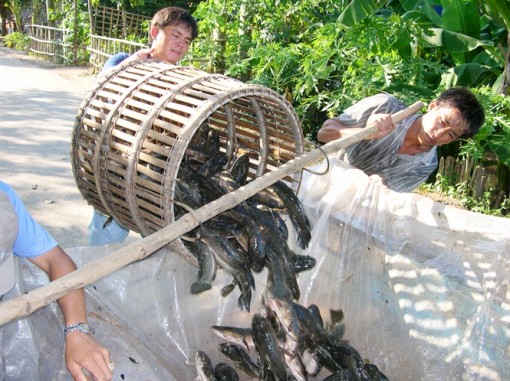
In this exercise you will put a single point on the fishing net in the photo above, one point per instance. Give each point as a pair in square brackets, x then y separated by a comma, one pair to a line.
[423, 287]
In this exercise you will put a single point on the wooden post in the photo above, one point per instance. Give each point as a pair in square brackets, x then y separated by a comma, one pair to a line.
[28, 303]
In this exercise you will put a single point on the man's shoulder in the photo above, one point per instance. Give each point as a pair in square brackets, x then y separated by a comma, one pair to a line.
[115, 60]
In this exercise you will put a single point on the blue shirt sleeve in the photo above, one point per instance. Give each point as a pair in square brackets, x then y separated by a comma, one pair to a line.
[32, 240]
[115, 60]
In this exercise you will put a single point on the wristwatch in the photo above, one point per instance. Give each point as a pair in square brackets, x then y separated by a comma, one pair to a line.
[82, 327]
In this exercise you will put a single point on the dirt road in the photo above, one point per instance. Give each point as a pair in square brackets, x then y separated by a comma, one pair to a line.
[39, 102]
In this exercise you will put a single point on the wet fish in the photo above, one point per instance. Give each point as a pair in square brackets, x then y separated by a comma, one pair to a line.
[278, 301]
[188, 194]
[233, 262]
[341, 356]
[204, 367]
[311, 331]
[336, 328]
[225, 372]
[240, 358]
[239, 336]
[206, 266]
[303, 262]
[255, 239]
[240, 169]
[213, 165]
[212, 144]
[372, 372]
[315, 312]
[296, 211]
[224, 251]
[200, 137]
[270, 353]
[311, 362]
[227, 181]
[296, 367]
[210, 190]
[278, 256]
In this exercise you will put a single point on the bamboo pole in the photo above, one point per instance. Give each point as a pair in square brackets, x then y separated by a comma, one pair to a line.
[28, 303]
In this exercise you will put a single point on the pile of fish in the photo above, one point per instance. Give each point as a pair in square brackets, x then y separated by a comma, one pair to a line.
[290, 343]
[247, 238]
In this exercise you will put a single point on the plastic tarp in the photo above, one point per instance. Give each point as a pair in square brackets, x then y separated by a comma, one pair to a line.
[423, 286]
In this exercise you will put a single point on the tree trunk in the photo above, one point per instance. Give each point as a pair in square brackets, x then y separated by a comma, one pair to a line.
[91, 17]
[50, 10]
[75, 32]
[3, 15]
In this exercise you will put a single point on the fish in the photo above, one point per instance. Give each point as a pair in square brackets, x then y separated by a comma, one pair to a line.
[227, 181]
[225, 252]
[188, 194]
[296, 211]
[240, 169]
[204, 367]
[302, 262]
[210, 190]
[278, 256]
[311, 362]
[372, 372]
[336, 328]
[246, 283]
[341, 356]
[213, 165]
[315, 312]
[240, 358]
[212, 144]
[206, 266]
[225, 372]
[312, 333]
[200, 137]
[266, 343]
[255, 239]
[296, 367]
[225, 226]
[278, 302]
[239, 336]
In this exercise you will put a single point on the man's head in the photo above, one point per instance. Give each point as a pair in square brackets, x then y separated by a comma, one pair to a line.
[8, 234]
[455, 114]
[469, 107]
[172, 30]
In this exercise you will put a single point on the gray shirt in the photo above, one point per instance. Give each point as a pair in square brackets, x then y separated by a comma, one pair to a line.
[400, 172]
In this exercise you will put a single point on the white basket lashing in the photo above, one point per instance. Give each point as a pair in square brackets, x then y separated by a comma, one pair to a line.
[132, 131]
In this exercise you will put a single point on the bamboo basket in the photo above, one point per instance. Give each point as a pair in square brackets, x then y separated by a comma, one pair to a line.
[132, 131]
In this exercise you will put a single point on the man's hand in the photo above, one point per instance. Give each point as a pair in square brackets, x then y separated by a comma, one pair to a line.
[383, 122]
[142, 54]
[83, 352]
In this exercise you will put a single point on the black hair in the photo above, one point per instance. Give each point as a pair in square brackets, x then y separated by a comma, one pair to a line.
[470, 108]
[175, 16]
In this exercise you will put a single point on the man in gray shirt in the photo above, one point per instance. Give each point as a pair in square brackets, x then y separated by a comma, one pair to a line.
[404, 155]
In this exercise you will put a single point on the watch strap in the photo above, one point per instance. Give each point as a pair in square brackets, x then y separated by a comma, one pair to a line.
[82, 327]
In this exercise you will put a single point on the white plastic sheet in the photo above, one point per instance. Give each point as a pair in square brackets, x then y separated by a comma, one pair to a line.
[424, 289]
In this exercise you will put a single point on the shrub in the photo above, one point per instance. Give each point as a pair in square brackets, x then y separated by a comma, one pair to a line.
[18, 41]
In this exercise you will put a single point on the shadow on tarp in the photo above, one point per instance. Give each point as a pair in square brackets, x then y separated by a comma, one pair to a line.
[424, 289]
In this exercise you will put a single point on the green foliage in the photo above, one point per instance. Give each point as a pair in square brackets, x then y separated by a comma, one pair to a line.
[463, 194]
[494, 136]
[67, 15]
[16, 7]
[18, 41]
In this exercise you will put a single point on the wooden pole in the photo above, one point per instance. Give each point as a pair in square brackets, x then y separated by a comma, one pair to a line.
[90, 272]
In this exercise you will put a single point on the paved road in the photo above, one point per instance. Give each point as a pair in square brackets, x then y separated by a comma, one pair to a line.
[39, 102]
